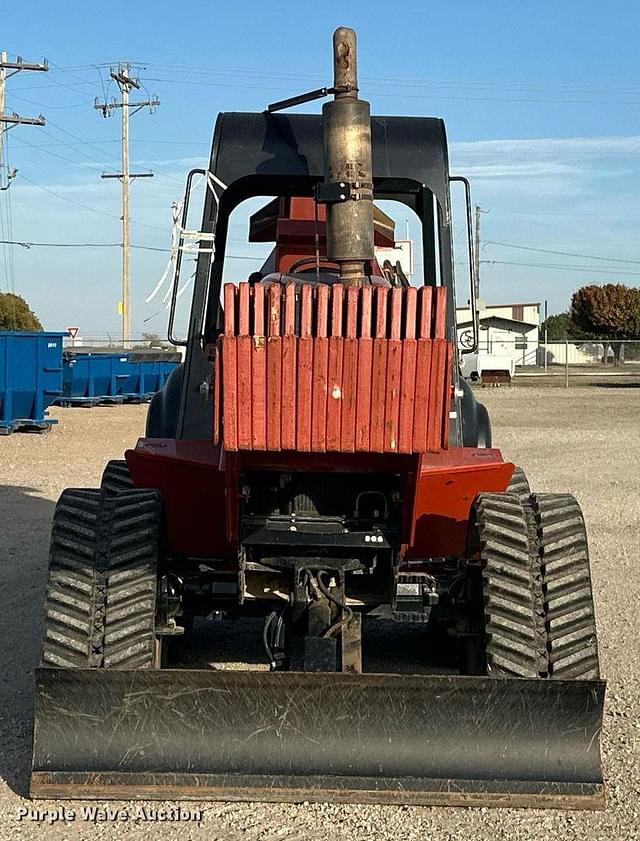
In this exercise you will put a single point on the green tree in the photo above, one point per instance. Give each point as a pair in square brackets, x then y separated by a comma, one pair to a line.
[15, 314]
[610, 311]
[556, 326]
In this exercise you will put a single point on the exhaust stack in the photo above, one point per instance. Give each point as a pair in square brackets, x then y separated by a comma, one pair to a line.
[347, 165]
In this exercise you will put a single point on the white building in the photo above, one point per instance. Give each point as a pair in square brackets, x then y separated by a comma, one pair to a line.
[575, 353]
[504, 329]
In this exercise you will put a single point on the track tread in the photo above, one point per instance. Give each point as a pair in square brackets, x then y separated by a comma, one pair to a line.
[570, 619]
[519, 485]
[116, 477]
[514, 633]
[101, 591]
[69, 605]
[129, 638]
[536, 586]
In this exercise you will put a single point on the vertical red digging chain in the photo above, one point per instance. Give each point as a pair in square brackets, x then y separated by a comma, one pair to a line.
[289, 370]
[439, 392]
[274, 369]
[335, 387]
[379, 371]
[334, 369]
[408, 382]
[320, 372]
[257, 408]
[305, 371]
[365, 368]
[394, 372]
[350, 372]
[230, 370]
[423, 370]
[244, 378]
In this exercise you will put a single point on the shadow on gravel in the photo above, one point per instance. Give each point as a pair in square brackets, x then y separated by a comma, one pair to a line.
[25, 522]
[614, 385]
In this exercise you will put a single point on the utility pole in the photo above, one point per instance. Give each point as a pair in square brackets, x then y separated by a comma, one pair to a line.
[126, 83]
[8, 121]
[546, 334]
[479, 211]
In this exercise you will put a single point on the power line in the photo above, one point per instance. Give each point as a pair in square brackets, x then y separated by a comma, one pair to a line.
[567, 96]
[56, 69]
[518, 99]
[88, 207]
[561, 267]
[561, 253]
[418, 80]
[29, 244]
[89, 144]
[70, 201]
[543, 215]
[562, 87]
[85, 206]
[89, 157]
[131, 141]
[23, 142]
[79, 141]
[48, 105]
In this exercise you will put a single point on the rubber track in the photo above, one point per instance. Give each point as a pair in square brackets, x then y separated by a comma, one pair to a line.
[101, 593]
[569, 614]
[71, 620]
[519, 485]
[514, 626]
[129, 639]
[116, 477]
[538, 602]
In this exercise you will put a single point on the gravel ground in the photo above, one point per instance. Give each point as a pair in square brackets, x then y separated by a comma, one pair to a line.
[584, 441]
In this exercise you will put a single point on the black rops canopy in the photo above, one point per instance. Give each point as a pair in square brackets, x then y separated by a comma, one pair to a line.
[260, 154]
[282, 154]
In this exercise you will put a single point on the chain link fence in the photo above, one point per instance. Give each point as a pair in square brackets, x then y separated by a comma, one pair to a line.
[106, 341]
[565, 361]
[579, 361]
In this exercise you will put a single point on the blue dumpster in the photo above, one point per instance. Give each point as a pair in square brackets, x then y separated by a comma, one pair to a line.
[154, 375]
[91, 378]
[30, 379]
[147, 375]
[133, 385]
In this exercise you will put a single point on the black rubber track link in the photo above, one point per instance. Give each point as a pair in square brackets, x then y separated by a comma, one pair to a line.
[536, 588]
[131, 544]
[72, 617]
[569, 614]
[514, 628]
[101, 592]
[116, 477]
[519, 485]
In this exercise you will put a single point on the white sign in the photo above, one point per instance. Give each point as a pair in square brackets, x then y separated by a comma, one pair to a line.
[73, 331]
[401, 253]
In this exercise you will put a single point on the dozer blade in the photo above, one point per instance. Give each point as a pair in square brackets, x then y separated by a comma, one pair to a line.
[375, 738]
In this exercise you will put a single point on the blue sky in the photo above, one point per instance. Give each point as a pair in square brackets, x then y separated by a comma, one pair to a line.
[541, 103]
